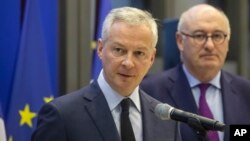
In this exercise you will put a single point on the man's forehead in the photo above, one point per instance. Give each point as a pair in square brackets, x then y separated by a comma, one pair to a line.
[201, 11]
[203, 14]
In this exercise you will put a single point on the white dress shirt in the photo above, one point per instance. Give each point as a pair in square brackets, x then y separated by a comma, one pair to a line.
[114, 99]
[213, 95]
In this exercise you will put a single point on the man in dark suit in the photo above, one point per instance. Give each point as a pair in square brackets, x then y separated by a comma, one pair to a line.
[202, 38]
[96, 112]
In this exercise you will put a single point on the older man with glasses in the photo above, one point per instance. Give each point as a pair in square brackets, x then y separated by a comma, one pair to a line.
[198, 84]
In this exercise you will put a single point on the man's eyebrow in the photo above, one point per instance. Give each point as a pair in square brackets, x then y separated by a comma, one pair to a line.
[118, 44]
[143, 48]
[198, 31]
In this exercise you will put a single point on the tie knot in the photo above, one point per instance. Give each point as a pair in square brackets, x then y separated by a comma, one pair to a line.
[125, 104]
[203, 87]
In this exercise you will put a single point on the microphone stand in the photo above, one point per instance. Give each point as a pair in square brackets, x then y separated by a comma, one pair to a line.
[200, 130]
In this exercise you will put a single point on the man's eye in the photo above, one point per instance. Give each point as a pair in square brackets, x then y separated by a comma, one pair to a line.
[200, 36]
[217, 36]
[118, 51]
[139, 53]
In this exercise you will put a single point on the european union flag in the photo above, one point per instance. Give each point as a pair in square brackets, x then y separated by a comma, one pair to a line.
[103, 7]
[2, 127]
[33, 81]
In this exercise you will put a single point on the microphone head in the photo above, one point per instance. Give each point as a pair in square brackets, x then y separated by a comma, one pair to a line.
[163, 111]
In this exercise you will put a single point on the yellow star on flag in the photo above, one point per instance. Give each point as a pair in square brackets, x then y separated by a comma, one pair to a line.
[48, 99]
[93, 45]
[10, 138]
[26, 116]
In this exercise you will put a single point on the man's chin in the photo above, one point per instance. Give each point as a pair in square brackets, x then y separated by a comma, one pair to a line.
[209, 66]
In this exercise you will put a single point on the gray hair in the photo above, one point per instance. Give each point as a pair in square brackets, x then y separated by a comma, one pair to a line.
[131, 16]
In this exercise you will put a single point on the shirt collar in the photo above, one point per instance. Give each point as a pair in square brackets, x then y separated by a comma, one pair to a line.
[114, 98]
[194, 82]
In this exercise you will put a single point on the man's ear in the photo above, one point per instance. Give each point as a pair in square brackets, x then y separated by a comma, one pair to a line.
[179, 40]
[99, 48]
[153, 56]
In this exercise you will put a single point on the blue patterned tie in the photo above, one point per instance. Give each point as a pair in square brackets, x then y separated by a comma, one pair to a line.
[205, 111]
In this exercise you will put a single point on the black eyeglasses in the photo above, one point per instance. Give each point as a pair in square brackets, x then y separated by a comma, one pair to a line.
[201, 38]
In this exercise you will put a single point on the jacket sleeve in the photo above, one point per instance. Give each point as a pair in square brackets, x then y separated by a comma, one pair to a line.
[49, 125]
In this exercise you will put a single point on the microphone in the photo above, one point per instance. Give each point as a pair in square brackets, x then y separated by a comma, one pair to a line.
[166, 112]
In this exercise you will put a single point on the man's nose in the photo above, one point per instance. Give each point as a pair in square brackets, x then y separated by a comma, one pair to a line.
[209, 44]
[128, 61]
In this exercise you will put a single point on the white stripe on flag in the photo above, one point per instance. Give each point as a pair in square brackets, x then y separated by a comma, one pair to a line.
[2, 131]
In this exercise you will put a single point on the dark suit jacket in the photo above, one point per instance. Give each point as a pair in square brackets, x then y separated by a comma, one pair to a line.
[84, 115]
[172, 87]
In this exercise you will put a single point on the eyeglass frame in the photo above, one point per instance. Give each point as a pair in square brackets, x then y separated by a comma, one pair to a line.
[205, 38]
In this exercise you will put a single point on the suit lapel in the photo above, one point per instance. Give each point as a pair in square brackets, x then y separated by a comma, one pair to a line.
[147, 119]
[181, 91]
[100, 113]
[153, 128]
[229, 97]
[231, 102]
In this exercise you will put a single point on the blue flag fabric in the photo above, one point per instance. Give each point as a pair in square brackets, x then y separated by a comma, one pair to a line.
[33, 81]
[103, 7]
[171, 55]
[2, 127]
[10, 12]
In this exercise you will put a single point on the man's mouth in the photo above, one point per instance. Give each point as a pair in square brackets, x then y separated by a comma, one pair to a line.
[125, 75]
